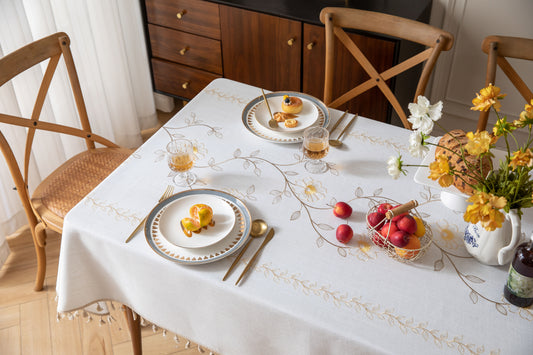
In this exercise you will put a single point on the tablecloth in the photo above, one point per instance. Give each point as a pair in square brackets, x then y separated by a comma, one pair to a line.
[308, 293]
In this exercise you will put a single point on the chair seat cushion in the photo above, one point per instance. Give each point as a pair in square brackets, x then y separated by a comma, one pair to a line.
[73, 180]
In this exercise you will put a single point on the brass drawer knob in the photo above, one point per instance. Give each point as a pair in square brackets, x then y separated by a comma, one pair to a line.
[184, 50]
[290, 42]
[310, 45]
[180, 14]
[185, 85]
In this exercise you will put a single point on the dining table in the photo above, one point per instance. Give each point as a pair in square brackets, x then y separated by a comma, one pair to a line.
[307, 292]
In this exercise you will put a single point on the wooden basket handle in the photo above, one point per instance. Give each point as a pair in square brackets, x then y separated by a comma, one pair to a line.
[401, 209]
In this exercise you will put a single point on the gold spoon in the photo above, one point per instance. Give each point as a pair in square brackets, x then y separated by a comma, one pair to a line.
[337, 142]
[258, 229]
[272, 122]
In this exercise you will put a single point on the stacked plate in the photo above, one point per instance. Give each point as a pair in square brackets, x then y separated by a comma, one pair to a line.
[231, 230]
[255, 117]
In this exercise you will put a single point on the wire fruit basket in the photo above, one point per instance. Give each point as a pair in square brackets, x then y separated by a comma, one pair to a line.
[381, 231]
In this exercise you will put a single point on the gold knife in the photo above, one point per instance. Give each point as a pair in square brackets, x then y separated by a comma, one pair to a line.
[268, 238]
[237, 259]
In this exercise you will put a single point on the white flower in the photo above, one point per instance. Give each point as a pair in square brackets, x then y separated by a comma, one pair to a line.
[416, 145]
[423, 115]
[394, 165]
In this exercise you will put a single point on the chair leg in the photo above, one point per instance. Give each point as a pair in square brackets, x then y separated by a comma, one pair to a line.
[134, 326]
[39, 240]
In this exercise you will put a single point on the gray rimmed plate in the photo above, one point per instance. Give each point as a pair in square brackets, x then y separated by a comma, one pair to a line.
[251, 122]
[200, 255]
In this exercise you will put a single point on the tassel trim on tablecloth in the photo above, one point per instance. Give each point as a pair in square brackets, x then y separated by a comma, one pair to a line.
[102, 316]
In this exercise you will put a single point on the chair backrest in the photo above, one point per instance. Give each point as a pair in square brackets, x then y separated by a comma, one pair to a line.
[49, 48]
[338, 19]
[498, 49]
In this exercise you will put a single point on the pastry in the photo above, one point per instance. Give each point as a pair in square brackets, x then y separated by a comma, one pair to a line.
[291, 104]
[201, 216]
[291, 123]
[468, 168]
[282, 116]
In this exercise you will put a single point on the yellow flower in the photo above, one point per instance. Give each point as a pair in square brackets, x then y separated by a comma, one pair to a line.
[521, 158]
[311, 190]
[502, 127]
[486, 98]
[440, 170]
[526, 116]
[478, 143]
[485, 208]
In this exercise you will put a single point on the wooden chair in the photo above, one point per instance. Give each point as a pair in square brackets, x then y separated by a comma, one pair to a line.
[75, 178]
[498, 49]
[338, 19]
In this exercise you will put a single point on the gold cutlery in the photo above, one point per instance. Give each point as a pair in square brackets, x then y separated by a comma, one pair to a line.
[167, 194]
[259, 228]
[268, 238]
[272, 122]
[339, 121]
[337, 142]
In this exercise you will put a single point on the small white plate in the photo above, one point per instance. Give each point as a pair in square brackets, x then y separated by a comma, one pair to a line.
[170, 227]
[306, 118]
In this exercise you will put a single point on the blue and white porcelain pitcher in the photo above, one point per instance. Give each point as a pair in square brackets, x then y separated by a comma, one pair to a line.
[494, 247]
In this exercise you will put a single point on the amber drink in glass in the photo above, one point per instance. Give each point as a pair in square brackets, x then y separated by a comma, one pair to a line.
[315, 147]
[180, 158]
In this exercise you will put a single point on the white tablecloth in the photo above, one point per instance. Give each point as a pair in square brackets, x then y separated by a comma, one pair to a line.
[308, 293]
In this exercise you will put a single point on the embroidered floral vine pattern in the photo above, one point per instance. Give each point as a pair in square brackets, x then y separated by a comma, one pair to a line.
[193, 121]
[111, 210]
[372, 311]
[470, 281]
[226, 97]
[378, 141]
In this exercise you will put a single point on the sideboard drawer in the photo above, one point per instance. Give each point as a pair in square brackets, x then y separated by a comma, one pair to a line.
[198, 17]
[180, 80]
[185, 48]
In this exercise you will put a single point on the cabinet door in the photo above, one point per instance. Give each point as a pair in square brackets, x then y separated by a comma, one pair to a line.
[260, 50]
[348, 73]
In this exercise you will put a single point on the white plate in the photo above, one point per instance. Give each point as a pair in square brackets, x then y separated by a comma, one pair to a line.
[251, 124]
[169, 224]
[450, 196]
[236, 238]
[306, 118]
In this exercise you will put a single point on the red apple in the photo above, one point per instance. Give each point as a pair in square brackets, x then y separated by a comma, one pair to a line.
[342, 210]
[398, 217]
[399, 238]
[388, 229]
[379, 240]
[407, 224]
[376, 219]
[344, 233]
[384, 207]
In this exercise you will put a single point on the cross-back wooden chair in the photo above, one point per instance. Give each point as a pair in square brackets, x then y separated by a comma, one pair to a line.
[75, 178]
[498, 49]
[337, 19]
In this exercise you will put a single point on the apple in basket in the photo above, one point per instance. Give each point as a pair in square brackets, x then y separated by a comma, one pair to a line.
[407, 224]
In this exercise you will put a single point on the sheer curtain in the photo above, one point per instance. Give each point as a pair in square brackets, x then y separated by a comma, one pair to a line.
[108, 46]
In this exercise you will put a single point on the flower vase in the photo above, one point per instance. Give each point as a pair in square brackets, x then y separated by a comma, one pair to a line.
[494, 247]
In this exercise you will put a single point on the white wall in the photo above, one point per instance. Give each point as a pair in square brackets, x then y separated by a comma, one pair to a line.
[460, 73]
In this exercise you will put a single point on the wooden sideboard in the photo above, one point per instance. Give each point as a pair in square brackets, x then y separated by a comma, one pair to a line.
[192, 42]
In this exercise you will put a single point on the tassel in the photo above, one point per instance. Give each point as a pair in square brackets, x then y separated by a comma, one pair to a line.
[188, 345]
[58, 317]
[101, 321]
[200, 350]
[164, 332]
[154, 328]
[176, 339]
[111, 305]
[89, 318]
[143, 323]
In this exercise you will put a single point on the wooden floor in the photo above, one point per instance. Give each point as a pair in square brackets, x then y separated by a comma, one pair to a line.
[28, 323]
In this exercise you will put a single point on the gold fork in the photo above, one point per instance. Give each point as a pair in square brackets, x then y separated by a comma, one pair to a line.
[167, 194]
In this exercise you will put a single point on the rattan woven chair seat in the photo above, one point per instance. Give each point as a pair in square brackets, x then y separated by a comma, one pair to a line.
[73, 180]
